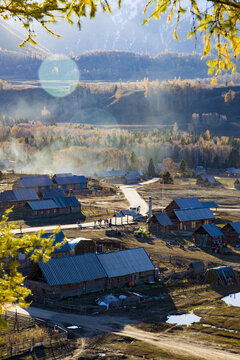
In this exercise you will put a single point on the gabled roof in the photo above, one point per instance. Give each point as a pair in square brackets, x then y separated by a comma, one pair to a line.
[65, 202]
[237, 181]
[212, 230]
[74, 179]
[211, 179]
[18, 195]
[52, 193]
[235, 225]
[58, 239]
[63, 174]
[126, 212]
[118, 215]
[72, 269]
[125, 262]
[111, 173]
[42, 205]
[35, 180]
[188, 203]
[163, 219]
[132, 175]
[209, 204]
[194, 214]
[91, 266]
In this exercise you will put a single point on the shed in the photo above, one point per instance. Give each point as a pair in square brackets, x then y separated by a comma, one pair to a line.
[197, 268]
[205, 235]
[158, 223]
[231, 232]
[83, 246]
[223, 275]
[118, 215]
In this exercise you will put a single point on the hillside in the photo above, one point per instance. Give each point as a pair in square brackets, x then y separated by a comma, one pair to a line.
[191, 106]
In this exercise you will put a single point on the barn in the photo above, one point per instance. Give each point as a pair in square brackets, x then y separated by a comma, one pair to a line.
[79, 274]
[231, 232]
[159, 223]
[205, 235]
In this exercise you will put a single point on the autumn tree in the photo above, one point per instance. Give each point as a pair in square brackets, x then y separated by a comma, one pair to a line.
[168, 165]
[12, 290]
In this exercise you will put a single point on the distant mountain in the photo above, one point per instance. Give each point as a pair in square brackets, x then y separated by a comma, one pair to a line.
[123, 30]
[10, 38]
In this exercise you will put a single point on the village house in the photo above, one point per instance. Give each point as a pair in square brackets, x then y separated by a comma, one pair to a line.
[80, 274]
[17, 197]
[55, 206]
[231, 232]
[113, 176]
[159, 223]
[132, 177]
[205, 235]
[207, 180]
[82, 246]
[188, 214]
[36, 182]
[71, 183]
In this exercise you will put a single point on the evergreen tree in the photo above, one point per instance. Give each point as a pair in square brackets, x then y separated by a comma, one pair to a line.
[183, 168]
[151, 172]
[133, 161]
[167, 178]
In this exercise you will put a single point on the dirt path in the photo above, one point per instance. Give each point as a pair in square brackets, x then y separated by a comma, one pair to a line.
[172, 344]
[177, 346]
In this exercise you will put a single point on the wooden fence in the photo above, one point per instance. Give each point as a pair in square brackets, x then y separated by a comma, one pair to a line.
[18, 322]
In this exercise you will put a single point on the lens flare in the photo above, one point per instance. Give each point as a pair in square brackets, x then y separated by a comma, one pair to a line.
[58, 75]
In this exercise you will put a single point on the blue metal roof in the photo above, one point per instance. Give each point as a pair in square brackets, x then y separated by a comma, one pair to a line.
[125, 262]
[72, 269]
[126, 212]
[42, 205]
[236, 226]
[58, 239]
[163, 219]
[212, 230]
[209, 204]
[118, 215]
[132, 175]
[65, 202]
[194, 214]
[68, 180]
[18, 195]
[188, 203]
[35, 180]
[52, 193]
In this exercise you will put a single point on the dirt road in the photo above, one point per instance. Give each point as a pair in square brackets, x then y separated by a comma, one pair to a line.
[176, 345]
[131, 194]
